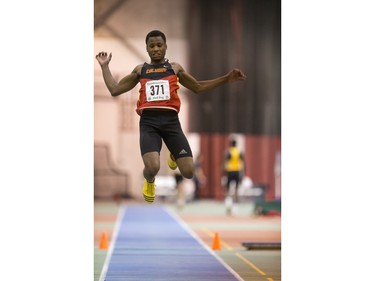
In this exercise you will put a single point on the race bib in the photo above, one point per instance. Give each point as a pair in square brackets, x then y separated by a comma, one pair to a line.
[157, 90]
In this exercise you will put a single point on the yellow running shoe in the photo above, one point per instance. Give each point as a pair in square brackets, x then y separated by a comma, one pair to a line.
[172, 162]
[149, 191]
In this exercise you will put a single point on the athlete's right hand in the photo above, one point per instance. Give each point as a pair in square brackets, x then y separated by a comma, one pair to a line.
[103, 58]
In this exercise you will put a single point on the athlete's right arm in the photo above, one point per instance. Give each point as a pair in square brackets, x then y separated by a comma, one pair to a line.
[126, 84]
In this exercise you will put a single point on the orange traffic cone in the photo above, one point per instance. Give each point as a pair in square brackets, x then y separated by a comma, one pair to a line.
[216, 243]
[103, 242]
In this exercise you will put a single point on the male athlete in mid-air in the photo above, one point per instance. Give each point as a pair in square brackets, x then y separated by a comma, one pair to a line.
[158, 106]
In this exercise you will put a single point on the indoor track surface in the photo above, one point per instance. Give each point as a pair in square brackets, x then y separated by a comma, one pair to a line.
[163, 242]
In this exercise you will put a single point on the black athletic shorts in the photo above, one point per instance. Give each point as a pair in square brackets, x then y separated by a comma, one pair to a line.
[233, 176]
[158, 125]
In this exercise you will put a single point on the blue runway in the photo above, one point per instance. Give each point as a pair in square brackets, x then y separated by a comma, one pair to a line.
[150, 244]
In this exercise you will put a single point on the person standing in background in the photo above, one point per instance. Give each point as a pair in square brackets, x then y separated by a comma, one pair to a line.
[233, 169]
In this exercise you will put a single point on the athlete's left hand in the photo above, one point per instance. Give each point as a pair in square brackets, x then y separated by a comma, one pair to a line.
[235, 75]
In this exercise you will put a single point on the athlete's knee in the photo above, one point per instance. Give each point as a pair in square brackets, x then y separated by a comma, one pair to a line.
[152, 164]
[187, 174]
[152, 168]
[186, 167]
[187, 171]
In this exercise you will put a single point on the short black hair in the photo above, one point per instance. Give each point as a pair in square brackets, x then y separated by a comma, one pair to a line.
[156, 33]
[233, 142]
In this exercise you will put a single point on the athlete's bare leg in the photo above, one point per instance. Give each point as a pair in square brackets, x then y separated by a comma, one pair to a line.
[151, 160]
[186, 166]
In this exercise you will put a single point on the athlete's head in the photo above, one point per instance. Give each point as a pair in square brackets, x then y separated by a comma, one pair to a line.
[156, 45]
[156, 33]
[233, 143]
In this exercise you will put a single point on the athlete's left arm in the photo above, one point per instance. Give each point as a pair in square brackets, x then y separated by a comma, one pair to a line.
[196, 86]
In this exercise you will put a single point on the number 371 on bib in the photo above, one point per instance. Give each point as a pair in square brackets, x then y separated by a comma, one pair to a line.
[157, 90]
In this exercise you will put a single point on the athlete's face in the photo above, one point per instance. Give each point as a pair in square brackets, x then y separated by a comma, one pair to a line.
[156, 49]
